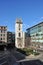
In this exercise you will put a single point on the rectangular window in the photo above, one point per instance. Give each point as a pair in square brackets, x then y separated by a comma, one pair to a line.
[4, 27]
[4, 31]
[1, 27]
[36, 34]
[1, 34]
[42, 34]
[1, 38]
[1, 31]
[39, 28]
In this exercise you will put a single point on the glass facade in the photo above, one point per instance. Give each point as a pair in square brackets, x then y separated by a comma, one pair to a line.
[36, 33]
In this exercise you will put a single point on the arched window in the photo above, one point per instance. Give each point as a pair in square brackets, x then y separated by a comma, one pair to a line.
[19, 34]
[19, 26]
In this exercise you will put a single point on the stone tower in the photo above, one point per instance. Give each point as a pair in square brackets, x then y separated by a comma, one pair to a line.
[19, 35]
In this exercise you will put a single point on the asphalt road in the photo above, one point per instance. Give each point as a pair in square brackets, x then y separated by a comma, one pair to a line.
[12, 57]
[6, 58]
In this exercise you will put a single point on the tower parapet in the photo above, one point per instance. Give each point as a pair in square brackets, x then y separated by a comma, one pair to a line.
[19, 21]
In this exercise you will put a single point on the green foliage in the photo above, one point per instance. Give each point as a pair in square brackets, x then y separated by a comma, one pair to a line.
[36, 53]
[27, 51]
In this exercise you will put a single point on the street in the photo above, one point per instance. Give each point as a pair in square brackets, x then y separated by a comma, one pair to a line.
[12, 57]
[6, 58]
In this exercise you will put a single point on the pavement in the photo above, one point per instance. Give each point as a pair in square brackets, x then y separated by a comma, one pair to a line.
[31, 62]
[40, 57]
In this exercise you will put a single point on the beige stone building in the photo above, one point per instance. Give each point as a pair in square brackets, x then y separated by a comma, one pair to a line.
[3, 34]
[19, 34]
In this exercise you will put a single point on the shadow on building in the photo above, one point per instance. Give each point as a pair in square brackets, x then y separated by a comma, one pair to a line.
[27, 39]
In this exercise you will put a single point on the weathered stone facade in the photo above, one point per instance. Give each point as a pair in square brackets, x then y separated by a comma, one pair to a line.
[19, 34]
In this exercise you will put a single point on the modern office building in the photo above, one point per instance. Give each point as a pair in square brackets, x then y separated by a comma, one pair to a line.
[3, 34]
[35, 35]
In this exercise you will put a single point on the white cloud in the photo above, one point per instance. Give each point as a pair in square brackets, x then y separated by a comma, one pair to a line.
[41, 18]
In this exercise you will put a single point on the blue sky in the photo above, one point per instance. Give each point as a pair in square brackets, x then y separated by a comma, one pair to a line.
[31, 12]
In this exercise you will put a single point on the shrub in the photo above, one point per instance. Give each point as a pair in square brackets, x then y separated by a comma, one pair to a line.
[36, 53]
[27, 51]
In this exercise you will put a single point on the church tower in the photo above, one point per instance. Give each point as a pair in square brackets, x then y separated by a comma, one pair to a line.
[19, 41]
